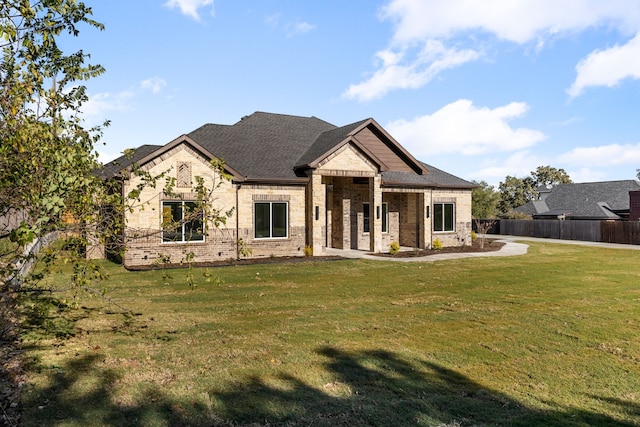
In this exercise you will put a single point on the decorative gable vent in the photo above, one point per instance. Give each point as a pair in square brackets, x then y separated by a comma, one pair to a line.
[184, 175]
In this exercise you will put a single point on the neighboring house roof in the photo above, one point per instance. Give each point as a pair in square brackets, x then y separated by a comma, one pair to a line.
[278, 147]
[588, 200]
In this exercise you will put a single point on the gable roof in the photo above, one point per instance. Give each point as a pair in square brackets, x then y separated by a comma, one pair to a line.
[262, 145]
[125, 161]
[435, 178]
[587, 200]
[279, 147]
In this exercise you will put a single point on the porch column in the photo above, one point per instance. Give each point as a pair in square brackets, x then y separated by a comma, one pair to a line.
[375, 214]
[422, 220]
[427, 219]
[317, 214]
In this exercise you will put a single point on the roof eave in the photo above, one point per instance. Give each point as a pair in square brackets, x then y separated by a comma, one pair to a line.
[199, 148]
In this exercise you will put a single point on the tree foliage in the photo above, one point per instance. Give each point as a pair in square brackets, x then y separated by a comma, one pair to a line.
[516, 191]
[46, 155]
[49, 184]
[547, 175]
[484, 201]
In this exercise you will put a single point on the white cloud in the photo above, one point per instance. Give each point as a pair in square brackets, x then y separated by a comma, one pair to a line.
[608, 67]
[462, 128]
[190, 7]
[587, 175]
[291, 28]
[428, 22]
[96, 108]
[415, 73]
[603, 155]
[301, 27]
[519, 164]
[519, 21]
[154, 84]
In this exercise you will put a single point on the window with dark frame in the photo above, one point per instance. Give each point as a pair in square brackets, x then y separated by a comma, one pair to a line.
[182, 222]
[443, 217]
[271, 220]
[366, 227]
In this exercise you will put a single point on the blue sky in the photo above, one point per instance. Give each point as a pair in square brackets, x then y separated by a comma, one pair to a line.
[482, 89]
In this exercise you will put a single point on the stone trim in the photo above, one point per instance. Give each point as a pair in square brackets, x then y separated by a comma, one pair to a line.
[180, 196]
[270, 197]
[445, 200]
[347, 173]
[166, 156]
[183, 175]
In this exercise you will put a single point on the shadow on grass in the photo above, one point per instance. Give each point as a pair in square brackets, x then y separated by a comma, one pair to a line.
[369, 388]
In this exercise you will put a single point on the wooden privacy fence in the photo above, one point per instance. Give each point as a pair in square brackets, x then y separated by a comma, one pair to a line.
[593, 231]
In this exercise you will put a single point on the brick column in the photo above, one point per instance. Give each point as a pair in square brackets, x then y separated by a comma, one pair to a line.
[317, 216]
[375, 214]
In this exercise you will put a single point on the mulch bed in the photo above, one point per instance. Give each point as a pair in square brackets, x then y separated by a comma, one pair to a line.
[490, 245]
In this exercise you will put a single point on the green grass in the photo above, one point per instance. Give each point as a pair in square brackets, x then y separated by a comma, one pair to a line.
[550, 338]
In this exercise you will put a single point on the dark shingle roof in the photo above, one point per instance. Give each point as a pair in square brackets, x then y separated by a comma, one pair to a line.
[112, 168]
[326, 141]
[434, 178]
[262, 145]
[270, 147]
[593, 200]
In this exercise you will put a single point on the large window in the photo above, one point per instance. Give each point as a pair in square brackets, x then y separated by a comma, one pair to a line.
[385, 217]
[271, 220]
[443, 217]
[182, 222]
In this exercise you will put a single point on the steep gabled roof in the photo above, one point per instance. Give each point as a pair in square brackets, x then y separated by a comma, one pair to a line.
[279, 147]
[587, 200]
[326, 142]
[262, 145]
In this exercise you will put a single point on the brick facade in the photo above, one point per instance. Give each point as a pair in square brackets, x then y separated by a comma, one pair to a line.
[327, 210]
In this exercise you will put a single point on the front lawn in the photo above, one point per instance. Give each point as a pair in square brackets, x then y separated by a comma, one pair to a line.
[550, 338]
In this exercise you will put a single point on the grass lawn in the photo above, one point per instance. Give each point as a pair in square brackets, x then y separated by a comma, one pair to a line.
[550, 338]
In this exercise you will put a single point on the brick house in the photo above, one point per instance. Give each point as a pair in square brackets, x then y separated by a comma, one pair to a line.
[296, 182]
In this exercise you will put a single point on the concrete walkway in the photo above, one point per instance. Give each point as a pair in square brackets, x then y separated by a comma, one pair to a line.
[512, 247]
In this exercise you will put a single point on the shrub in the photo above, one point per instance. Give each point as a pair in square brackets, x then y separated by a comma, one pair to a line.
[437, 245]
[394, 248]
[474, 236]
[244, 249]
[308, 251]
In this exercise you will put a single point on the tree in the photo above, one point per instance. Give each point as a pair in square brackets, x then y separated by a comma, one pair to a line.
[484, 201]
[47, 157]
[547, 175]
[484, 208]
[516, 192]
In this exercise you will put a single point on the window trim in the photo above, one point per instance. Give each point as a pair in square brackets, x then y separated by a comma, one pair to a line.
[286, 217]
[182, 224]
[443, 221]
